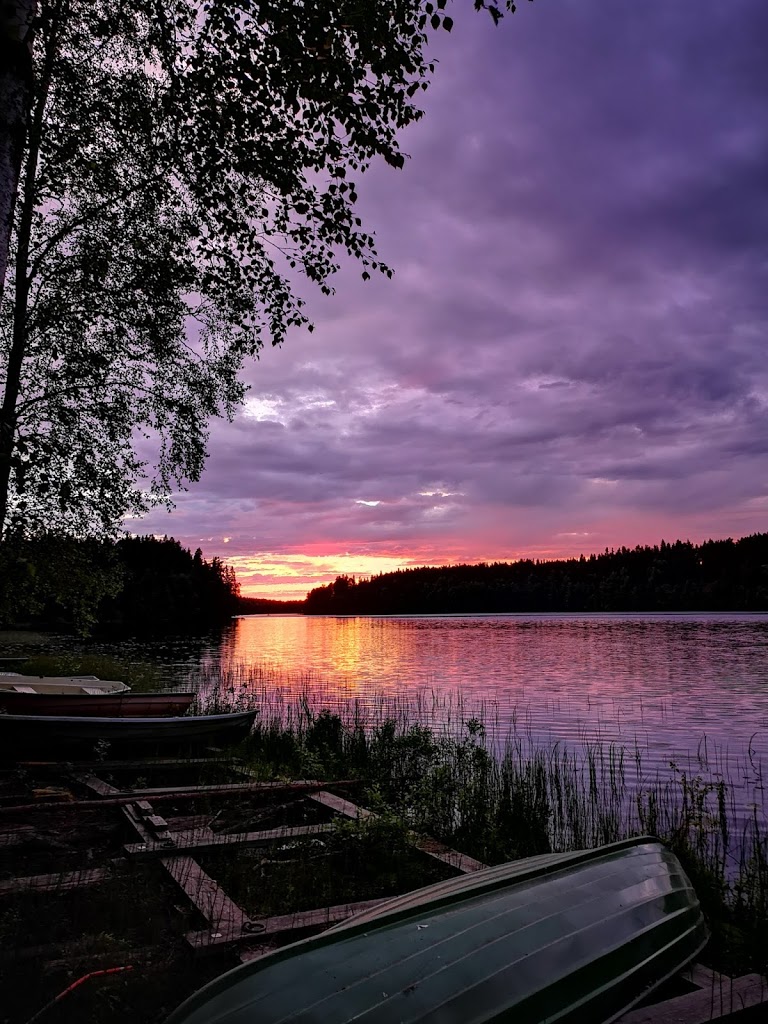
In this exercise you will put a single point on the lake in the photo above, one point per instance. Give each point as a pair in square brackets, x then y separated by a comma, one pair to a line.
[688, 688]
[685, 688]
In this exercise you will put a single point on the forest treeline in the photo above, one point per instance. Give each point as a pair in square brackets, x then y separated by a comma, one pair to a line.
[134, 583]
[268, 606]
[718, 575]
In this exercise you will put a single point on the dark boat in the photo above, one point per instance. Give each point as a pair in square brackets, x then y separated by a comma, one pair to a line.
[576, 937]
[35, 731]
[109, 705]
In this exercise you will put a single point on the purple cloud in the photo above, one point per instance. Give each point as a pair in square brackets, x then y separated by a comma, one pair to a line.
[571, 352]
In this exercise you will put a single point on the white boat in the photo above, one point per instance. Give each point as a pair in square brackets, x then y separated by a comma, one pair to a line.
[92, 685]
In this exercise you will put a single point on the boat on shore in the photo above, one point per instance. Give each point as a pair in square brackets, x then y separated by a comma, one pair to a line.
[32, 732]
[577, 938]
[110, 704]
[13, 682]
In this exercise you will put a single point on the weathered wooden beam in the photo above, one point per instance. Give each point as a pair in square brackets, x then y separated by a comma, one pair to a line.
[122, 797]
[341, 806]
[15, 835]
[431, 847]
[204, 839]
[704, 1005]
[705, 977]
[262, 927]
[222, 913]
[94, 783]
[61, 882]
[446, 855]
[189, 822]
[136, 764]
[299, 786]
[204, 892]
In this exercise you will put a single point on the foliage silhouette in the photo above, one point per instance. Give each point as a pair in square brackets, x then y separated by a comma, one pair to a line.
[716, 575]
[185, 163]
[136, 583]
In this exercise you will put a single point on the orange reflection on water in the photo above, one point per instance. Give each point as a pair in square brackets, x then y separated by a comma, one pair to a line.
[349, 656]
[659, 684]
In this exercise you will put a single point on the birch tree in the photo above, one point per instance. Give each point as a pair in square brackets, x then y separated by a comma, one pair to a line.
[185, 163]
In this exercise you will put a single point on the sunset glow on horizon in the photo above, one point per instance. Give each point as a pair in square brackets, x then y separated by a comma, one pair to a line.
[289, 576]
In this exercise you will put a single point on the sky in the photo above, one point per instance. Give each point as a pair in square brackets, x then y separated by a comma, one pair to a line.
[571, 355]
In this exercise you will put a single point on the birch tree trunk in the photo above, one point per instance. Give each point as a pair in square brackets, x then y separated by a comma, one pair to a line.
[15, 94]
[16, 81]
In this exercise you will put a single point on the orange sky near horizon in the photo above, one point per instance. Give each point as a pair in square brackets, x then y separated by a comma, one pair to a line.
[290, 575]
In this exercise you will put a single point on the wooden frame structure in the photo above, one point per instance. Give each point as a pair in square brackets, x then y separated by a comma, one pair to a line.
[229, 927]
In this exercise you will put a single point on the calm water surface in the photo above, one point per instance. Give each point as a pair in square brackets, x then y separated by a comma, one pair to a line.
[678, 687]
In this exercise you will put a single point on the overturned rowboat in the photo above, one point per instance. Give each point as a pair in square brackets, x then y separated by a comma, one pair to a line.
[576, 937]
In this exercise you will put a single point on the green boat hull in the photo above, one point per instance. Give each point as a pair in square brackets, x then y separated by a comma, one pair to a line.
[578, 937]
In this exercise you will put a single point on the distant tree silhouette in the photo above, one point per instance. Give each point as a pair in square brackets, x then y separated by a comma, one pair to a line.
[135, 583]
[716, 575]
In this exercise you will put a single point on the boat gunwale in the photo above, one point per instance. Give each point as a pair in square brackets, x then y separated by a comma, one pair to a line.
[94, 721]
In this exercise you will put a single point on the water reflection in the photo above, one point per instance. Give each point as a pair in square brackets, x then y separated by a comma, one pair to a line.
[664, 682]
[672, 685]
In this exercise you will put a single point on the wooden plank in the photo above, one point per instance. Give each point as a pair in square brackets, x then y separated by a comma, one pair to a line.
[341, 806]
[705, 977]
[62, 882]
[704, 1005]
[431, 847]
[93, 783]
[189, 822]
[222, 913]
[204, 839]
[299, 785]
[135, 820]
[455, 859]
[137, 764]
[204, 892]
[15, 835]
[262, 927]
[120, 797]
